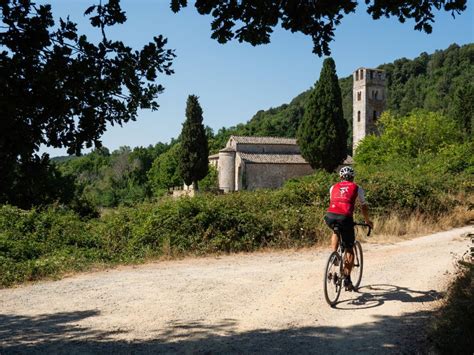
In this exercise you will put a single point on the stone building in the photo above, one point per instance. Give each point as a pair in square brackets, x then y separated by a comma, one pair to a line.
[369, 97]
[249, 163]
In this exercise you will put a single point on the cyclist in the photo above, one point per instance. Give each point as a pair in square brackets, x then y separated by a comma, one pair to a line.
[343, 196]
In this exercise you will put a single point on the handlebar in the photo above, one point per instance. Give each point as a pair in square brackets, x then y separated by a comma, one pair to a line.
[364, 225]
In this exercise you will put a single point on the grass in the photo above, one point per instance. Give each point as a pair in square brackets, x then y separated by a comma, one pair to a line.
[399, 226]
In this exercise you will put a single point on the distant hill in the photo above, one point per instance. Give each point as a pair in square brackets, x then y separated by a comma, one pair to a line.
[429, 81]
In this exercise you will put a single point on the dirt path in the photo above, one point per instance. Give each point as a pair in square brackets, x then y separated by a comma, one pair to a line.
[255, 303]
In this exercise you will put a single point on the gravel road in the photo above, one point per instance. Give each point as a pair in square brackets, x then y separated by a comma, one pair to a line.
[268, 302]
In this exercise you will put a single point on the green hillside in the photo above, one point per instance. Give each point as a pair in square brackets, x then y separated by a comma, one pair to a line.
[430, 81]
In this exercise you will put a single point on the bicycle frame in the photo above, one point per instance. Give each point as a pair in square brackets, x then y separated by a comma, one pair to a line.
[334, 273]
[336, 230]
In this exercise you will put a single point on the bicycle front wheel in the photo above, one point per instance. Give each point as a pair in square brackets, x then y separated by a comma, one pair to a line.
[333, 278]
[356, 273]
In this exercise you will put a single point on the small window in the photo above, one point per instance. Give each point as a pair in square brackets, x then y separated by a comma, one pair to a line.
[371, 74]
[357, 75]
[375, 94]
[359, 96]
[358, 116]
[375, 116]
[361, 74]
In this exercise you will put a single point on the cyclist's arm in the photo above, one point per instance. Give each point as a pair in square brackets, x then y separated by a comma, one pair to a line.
[365, 213]
[364, 207]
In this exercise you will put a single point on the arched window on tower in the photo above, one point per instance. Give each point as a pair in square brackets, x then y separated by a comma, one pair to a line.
[359, 96]
[361, 74]
[375, 116]
[357, 75]
[358, 116]
[375, 94]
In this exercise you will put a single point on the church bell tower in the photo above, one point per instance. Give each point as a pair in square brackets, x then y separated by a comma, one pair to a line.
[369, 98]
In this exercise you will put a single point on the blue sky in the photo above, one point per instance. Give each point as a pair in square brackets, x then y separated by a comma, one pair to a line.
[235, 80]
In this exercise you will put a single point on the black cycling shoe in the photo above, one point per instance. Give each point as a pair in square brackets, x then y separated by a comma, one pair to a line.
[348, 284]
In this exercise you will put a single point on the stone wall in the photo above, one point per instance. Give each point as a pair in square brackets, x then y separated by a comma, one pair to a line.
[239, 171]
[259, 176]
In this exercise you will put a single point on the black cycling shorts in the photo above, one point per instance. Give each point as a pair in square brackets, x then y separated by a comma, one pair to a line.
[346, 226]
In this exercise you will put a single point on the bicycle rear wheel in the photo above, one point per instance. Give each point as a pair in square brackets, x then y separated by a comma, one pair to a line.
[333, 278]
[356, 273]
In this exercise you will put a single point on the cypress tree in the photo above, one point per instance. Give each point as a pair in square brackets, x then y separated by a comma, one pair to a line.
[322, 134]
[194, 152]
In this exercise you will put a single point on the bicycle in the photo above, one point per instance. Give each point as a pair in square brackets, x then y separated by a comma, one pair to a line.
[334, 272]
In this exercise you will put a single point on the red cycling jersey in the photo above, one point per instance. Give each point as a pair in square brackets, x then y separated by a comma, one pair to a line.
[343, 196]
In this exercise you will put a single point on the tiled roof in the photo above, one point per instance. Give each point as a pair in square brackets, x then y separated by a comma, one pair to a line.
[273, 158]
[374, 69]
[263, 140]
[348, 161]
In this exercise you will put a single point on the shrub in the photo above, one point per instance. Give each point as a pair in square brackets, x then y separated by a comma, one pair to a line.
[416, 162]
[418, 134]
[452, 327]
[37, 243]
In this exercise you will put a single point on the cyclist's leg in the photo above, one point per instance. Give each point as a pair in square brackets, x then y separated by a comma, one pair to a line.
[331, 221]
[348, 238]
[334, 242]
[349, 261]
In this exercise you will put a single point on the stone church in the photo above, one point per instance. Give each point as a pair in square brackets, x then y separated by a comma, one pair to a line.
[249, 163]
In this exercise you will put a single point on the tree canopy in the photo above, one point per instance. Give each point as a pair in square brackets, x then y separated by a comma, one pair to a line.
[254, 21]
[61, 90]
[322, 134]
[164, 173]
[413, 156]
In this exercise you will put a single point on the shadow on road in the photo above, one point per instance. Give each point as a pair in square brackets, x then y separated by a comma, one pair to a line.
[371, 296]
[61, 333]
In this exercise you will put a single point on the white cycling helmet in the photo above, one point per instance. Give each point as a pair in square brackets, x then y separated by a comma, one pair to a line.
[346, 173]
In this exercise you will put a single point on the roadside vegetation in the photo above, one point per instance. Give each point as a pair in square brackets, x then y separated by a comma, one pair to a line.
[452, 329]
